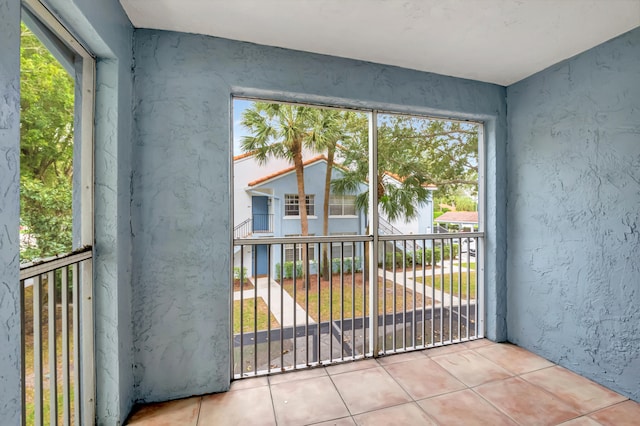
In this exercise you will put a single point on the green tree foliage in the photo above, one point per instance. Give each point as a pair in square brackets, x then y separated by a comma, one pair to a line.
[412, 154]
[46, 149]
[458, 199]
[282, 131]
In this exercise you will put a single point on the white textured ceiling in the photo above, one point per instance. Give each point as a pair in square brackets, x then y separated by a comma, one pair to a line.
[497, 41]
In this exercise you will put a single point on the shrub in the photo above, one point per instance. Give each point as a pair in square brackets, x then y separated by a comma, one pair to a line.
[237, 275]
[348, 265]
[389, 260]
[427, 256]
[447, 251]
[288, 269]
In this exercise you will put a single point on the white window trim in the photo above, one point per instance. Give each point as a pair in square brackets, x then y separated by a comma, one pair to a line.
[312, 204]
[298, 217]
[342, 205]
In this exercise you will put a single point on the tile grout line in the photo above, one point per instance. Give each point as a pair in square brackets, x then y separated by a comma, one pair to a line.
[199, 411]
[563, 400]
[413, 400]
[472, 388]
[273, 407]
[467, 387]
[515, 375]
[340, 395]
[505, 368]
[607, 407]
[498, 409]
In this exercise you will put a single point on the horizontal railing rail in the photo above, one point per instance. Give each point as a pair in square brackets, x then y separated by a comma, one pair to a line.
[57, 339]
[353, 238]
[37, 267]
[302, 240]
[301, 301]
[418, 237]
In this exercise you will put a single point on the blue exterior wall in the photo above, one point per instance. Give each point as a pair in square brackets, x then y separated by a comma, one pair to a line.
[181, 215]
[314, 176]
[574, 214]
[105, 30]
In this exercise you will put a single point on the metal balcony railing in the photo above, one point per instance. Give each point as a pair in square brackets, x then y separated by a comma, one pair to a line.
[387, 228]
[242, 230]
[57, 340]
[262, 223]
[308, 311]
[259, 223]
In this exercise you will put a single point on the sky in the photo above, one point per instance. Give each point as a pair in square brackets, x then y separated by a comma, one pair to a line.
[239, 105]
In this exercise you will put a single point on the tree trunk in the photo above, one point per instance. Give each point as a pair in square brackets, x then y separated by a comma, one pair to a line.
[302, 208]
[326, 265]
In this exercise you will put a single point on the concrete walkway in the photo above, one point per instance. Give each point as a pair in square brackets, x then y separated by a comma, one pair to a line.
[287, 309]
[399, 279]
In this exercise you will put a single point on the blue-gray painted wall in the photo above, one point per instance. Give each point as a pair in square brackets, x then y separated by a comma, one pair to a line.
[574, 214]
[105, 30]
[180, 213]
[10, 387]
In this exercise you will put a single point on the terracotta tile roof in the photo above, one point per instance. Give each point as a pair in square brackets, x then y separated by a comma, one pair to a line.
[285, 171]
[400, 179]
[458, 217]
[243, 155]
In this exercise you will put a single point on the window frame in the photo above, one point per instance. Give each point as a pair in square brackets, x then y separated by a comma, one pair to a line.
[288, 249]
[337, 246]
[342, 205]
[310, 204]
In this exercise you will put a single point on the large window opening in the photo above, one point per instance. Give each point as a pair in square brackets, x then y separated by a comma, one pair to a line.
[374, 271]
[56, 138]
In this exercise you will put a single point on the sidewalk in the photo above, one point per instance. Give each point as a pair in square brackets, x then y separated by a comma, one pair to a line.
[262, 287]
[398, 278]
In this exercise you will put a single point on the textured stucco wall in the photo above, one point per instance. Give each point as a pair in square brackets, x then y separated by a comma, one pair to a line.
[10, 388]
[574, 214]
[105, 30]
[180, 212]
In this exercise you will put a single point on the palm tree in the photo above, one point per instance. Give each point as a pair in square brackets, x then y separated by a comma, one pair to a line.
[329, 131]
[282, 131]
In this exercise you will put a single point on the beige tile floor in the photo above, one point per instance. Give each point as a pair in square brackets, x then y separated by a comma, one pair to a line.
[474, 383]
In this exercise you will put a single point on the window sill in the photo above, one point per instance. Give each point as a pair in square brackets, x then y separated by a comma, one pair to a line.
[298, 217]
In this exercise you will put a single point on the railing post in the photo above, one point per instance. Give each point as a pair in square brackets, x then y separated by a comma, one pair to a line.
[87, 341]
[373, 231]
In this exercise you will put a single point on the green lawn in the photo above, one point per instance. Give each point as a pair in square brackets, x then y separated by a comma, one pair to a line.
[352, 296]
[46, 406]
[457, 279]
[471, 265]
[249, 315]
